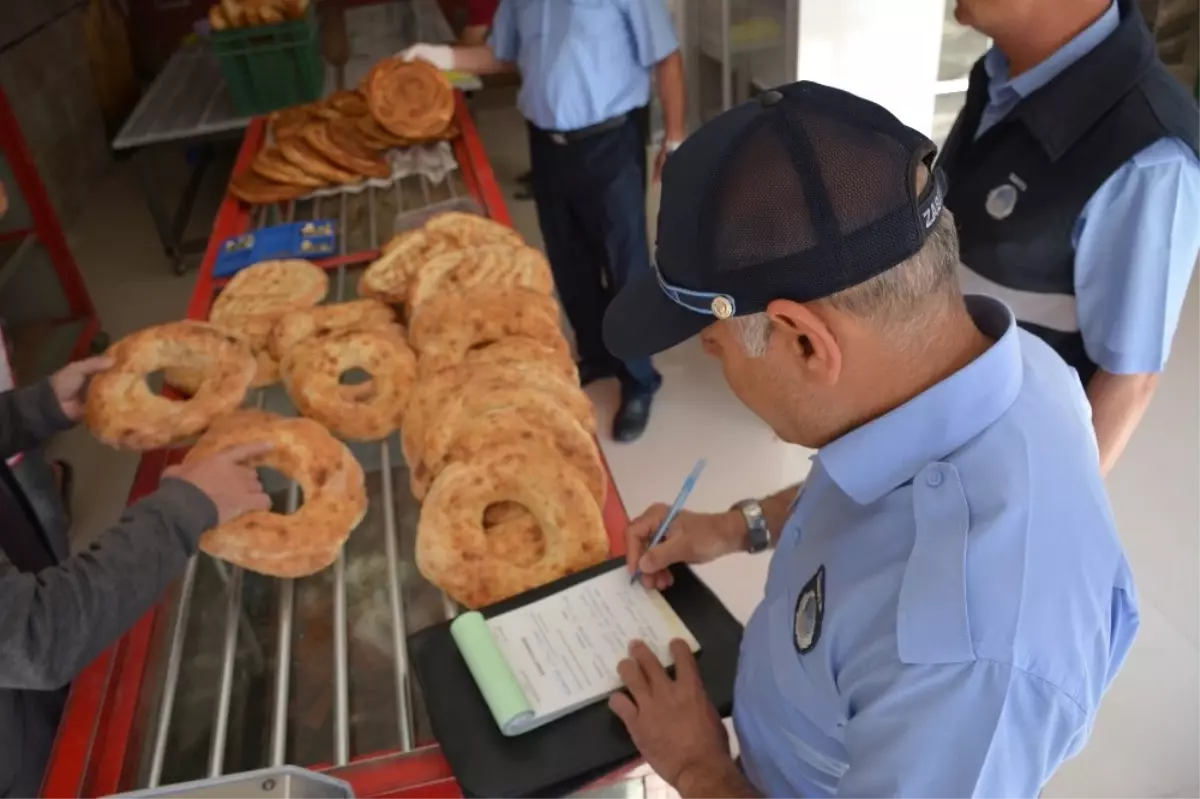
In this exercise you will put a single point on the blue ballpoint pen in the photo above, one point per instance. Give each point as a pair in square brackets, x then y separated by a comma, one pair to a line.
[688, 485]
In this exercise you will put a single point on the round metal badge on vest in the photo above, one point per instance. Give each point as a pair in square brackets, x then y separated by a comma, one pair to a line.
[810, 613]
[1001, 201]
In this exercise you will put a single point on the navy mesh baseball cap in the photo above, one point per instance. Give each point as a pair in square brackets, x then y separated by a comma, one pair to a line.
[798, 194]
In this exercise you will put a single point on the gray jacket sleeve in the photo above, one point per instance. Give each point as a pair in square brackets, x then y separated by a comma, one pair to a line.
[28, 416]
[55, 622]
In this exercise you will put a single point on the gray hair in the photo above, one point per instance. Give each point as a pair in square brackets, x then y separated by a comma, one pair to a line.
[899, 300]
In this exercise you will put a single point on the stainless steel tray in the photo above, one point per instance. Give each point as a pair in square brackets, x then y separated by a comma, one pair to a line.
[287, 782]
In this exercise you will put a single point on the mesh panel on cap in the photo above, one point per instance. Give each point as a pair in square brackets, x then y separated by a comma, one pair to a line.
[865, 174]
[761, 207]
[813, 198]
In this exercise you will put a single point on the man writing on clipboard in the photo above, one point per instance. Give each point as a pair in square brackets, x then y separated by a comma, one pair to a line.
[948, 599]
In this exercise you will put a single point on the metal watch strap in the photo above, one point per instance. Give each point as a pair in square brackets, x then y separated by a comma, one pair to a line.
[759, 537]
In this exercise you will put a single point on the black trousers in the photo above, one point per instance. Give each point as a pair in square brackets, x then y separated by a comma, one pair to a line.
[591, 204]
[641, 118]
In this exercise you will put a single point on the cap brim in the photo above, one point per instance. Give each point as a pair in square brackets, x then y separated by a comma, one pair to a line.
[642, 321]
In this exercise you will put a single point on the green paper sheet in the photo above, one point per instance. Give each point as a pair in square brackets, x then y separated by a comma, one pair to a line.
[495, 679]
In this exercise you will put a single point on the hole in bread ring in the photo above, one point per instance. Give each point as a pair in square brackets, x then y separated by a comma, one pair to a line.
[517, 539]
[452, 549]
[312, 375]
[122, 409]
[335, 497]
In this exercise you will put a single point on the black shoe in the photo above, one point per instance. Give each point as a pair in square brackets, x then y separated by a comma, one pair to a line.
[632, 417]
[524, 186]
[590, 372]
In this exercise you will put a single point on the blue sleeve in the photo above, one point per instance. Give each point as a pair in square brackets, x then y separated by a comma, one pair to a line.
[966, 729]
[1135, 249]
[505, 40]
[653, 30]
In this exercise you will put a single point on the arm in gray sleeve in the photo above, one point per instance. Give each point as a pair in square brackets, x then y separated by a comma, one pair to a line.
[28, 416]
[55, 622]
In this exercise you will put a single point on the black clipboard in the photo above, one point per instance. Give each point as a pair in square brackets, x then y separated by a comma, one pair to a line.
[574, 751]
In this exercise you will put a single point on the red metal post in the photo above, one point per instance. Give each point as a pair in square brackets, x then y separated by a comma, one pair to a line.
[46, 225]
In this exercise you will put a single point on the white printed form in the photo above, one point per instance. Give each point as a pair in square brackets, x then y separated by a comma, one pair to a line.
[564, 649]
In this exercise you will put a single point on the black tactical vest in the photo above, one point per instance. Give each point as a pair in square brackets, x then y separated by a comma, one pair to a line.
[1017, 191]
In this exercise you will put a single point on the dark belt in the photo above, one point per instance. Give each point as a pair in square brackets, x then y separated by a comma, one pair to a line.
[563, 137]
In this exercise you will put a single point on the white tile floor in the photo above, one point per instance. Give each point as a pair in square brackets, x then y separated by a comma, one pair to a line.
[1147, 737]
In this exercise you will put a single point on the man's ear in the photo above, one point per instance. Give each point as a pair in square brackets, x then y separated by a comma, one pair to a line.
[809, 340]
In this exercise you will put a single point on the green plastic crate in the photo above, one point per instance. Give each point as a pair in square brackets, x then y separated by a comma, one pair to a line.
[272, 66]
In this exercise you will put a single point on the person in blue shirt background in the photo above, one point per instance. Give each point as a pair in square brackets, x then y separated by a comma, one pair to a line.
[948, 599]
[586, 71]
[1075, 181]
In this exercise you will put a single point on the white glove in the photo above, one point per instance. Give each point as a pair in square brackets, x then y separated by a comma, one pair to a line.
[440, 55]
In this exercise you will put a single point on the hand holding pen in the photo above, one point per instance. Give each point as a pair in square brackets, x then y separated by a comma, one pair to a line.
[686, 538]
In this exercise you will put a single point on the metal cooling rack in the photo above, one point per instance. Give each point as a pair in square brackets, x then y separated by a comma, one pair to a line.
[254, 672]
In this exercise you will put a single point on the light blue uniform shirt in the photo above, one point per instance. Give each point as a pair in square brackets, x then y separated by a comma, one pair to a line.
[1136, 240]
[976, 599]
[582, 61]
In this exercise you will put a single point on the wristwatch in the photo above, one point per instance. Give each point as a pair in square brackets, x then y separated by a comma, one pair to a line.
[759, 537]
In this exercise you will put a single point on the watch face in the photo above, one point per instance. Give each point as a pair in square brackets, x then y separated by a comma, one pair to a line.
[759, 537]
[759, 540]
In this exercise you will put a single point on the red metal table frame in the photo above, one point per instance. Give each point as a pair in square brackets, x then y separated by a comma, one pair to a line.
[93, 745]
[47, 229]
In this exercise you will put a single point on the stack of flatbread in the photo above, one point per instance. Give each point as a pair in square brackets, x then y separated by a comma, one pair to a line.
[494, 370]
[341, 140]
[492, 406]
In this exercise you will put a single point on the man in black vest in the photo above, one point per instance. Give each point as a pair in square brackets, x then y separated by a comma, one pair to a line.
[1075, 182]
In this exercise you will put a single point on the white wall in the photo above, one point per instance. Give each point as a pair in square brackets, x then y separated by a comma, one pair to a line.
[884, 50]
